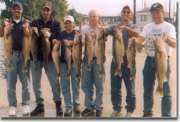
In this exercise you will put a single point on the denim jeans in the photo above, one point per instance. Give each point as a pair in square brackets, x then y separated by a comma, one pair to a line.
[36, 71]
[149, 82]
[68, 84]
[12, 76]
[91, 79]
[116, 83]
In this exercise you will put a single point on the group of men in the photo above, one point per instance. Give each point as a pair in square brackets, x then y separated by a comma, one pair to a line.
[91, 83]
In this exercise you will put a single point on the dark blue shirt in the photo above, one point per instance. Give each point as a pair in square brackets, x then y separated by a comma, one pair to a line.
[55, 29]
[17, 35]
[64, 36]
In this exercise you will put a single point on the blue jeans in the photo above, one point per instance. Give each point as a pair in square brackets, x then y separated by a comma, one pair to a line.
[116, 82]
[149, 82]
[73, 83]
[36, 71]
[89, 80]
[12, 75]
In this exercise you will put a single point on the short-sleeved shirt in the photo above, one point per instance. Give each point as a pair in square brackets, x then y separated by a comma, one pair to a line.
[88, 29]
[17, 34]
[155, 30]
[66, 36]
[125, 35]
[55, 29]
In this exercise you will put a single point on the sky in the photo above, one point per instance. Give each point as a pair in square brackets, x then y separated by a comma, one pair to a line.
[113, 7]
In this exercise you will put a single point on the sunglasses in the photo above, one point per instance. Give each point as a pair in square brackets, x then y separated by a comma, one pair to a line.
[126, 12]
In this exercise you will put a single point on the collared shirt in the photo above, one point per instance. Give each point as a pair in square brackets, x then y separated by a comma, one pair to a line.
[55, 29]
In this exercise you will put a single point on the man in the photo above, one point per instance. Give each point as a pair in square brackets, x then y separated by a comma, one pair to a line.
[18, 27]
[116, 81]
[90, 78]
[74, 82]
[151, 35]
[45, 21]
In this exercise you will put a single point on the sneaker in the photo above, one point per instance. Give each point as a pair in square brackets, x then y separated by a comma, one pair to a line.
[88, 112]
[59, 111]
[77, 109]
[116, 114]
[26, 110]
[98, 113]
[38, 111]
[68, 113]
[12, 111]
[128, 114]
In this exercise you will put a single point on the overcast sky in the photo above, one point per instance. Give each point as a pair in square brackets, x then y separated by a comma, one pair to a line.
[112, 7]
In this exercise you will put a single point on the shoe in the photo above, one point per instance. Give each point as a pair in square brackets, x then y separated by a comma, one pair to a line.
[88, 112]
[38, 111]
[59, 111]
[116, 114]
[77, 109]
[12, 111]
[68, 113]
[26, 110]
[148, 115]
[98, 113]
[128, 114]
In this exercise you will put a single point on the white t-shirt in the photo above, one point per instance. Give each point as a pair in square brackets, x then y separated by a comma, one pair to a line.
[155, 30]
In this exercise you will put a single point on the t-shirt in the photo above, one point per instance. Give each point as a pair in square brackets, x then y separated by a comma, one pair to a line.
[125, 36]
[93, 32]
[65, 36]
[155, 30]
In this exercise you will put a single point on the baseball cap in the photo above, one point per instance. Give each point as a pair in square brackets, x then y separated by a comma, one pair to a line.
[156, 7]
[17, 4]
[47, 4]
[69, 18]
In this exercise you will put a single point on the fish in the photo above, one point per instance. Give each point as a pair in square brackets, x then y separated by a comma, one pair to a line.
[161, 63]
[56, 59]
[89, 45]
[118, 51]
[7, 39]
[100, 52]
[131, 57]
[34, 46]
[77, 54]
[68, 59]
[46, 46]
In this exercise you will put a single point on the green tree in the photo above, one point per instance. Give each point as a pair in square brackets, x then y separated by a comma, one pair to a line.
[32, 8]
[77, 16]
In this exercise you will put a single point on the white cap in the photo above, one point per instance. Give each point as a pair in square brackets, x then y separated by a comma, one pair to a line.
[69, 18]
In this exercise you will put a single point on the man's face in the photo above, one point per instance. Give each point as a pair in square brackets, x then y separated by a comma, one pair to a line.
[126, 14]
[93, 18]
[46, 13]
[17, 12]
[157, 16]
[69, 25]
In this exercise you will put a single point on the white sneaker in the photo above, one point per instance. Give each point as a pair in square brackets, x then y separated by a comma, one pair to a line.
[12, 111]
[26, 110]
[128, 114]
[116, 114]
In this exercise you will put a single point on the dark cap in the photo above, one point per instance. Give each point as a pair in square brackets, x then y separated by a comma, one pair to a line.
[156, 7]
[17, 4]
[47, 4]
